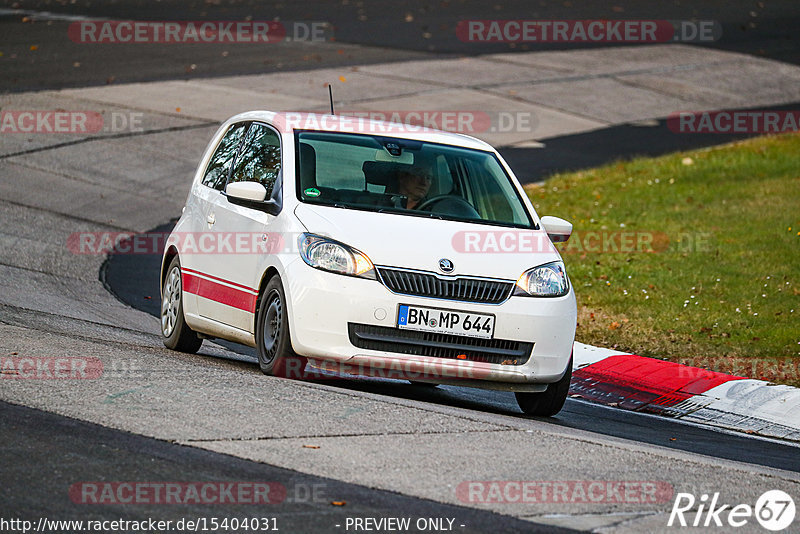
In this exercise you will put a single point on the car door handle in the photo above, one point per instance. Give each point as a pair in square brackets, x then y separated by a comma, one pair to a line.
[211, 219]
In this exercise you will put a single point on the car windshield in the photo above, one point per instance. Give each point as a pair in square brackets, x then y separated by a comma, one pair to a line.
[409, 177]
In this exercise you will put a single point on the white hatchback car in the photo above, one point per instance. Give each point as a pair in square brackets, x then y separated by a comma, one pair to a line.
[371, 248]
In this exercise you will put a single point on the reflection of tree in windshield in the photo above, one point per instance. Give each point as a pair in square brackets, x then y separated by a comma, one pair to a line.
[217, 172]
[261, 159]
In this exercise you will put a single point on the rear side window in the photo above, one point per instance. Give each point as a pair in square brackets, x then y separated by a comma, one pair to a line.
[219, 167]
[260, 158]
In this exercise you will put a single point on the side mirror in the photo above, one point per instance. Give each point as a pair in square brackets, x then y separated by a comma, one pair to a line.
[558, 230]
[251, 195]
[246, 191]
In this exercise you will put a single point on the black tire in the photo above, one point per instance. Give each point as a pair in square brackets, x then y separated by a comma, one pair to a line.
[175, 334]
[548, 402]
[275, 354]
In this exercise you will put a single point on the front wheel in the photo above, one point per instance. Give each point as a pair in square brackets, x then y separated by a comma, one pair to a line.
[275, 354]
[550, 401]
[174, 331]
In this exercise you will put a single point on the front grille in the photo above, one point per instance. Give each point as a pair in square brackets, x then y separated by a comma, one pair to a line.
[461, 288]
[382, 338]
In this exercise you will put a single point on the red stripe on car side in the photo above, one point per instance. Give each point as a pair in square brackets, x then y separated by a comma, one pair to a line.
[241, 286]
[230, 296]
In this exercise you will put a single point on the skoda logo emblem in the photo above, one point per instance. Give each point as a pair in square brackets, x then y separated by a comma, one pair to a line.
[446, 266]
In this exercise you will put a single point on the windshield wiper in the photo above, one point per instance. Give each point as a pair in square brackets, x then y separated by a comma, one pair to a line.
[402, 211]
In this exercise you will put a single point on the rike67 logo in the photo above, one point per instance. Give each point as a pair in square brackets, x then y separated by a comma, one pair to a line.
[774, 511]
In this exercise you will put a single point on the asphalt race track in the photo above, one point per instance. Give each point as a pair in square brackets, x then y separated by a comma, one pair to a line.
[364, 31]
[90, 452]
[341, 448]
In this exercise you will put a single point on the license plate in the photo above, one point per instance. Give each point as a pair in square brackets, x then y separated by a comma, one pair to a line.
[445, 321]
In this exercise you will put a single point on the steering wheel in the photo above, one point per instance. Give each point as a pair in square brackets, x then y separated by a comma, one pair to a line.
[452, 198]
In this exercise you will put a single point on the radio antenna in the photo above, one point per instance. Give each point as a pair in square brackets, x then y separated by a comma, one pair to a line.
[330, 94]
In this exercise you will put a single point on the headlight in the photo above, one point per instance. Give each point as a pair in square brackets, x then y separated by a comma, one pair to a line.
[548, 280]
[329, 255]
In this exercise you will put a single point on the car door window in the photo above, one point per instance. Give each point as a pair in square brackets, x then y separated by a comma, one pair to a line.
[216, 174]
[260, 158]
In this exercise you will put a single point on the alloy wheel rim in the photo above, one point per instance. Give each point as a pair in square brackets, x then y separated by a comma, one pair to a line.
[170, 302]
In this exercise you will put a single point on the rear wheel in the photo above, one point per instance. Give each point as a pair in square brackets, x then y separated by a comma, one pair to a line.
[174, 331]
[275, 354]
[550, 401]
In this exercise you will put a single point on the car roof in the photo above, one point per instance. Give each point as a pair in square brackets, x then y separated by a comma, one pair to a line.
[287, 121]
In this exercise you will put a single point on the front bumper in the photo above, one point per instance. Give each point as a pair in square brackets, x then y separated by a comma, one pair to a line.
[324, 309]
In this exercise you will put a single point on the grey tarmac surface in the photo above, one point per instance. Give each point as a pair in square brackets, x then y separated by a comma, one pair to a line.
[379, 436]
[365, 32]
[40, 486]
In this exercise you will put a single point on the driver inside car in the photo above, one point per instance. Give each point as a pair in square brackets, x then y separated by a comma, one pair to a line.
[414, 183]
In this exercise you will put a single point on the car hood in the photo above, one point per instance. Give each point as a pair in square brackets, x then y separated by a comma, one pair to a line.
[419, 242]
